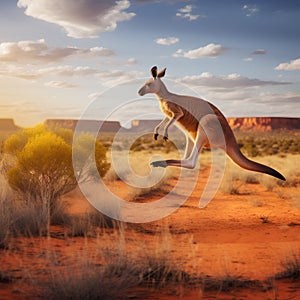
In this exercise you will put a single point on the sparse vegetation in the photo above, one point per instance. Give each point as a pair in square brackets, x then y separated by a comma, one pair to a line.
[5, 221]
[89, 282]
[265, 219]
[42, 171]
[271, 144]
[228, 283]
[4, 278]
[89, 223]
[115, 270]
[291, 267]
[235, 177]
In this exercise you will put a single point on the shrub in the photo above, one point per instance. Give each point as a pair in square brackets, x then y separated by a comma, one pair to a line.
[160, 270]
[88, 282]
[30, 219]
[42, 170]
[5, 220]
[86, 224]
[291, 268]
[83, 146]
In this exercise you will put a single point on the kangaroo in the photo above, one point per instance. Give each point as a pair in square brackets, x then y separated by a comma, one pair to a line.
[200, 121]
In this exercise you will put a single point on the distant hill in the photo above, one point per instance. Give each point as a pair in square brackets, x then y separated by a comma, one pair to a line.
[243, 124]
[86, 125]
[248, 124]
[8, 125]
[262, 124]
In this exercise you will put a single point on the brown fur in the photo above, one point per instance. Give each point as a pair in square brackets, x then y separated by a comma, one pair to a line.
[191, 114]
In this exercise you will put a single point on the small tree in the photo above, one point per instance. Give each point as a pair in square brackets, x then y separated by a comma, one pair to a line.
[84, 146]
[42, 169]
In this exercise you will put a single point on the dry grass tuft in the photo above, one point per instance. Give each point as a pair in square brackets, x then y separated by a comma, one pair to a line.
[235, 176]
[228, 283]
[6, 212]
[89, 223]
[89, 282]
[291, 268]
[29, 220]
[4, 278]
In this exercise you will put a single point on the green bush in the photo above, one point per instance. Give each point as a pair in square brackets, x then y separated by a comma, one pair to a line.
[41, 167]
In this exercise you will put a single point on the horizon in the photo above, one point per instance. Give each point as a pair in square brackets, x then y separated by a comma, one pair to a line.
[132, 121]
[58, 60]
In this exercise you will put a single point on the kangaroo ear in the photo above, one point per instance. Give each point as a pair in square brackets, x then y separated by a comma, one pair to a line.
[162, 73]
[154, 72]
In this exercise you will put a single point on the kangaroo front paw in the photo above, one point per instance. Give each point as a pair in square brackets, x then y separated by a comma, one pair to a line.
[155, 136]
[165, 138]
[159, 163]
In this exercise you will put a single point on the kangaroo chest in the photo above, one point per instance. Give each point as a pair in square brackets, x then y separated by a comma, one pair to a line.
[170, 109]
[186, 120]
[164, 106]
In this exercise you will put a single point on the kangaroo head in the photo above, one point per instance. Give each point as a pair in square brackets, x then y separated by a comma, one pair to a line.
[154, 84]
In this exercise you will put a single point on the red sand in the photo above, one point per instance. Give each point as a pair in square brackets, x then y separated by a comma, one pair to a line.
[229, 236]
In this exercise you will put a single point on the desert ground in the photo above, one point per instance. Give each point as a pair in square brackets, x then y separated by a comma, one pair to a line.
[244, 245]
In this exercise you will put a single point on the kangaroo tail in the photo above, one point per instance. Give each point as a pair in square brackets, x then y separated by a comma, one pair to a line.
[237, 156]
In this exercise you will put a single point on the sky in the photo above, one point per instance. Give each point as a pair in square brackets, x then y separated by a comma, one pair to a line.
[88, 58]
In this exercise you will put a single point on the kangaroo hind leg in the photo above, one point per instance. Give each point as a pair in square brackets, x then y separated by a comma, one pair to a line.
[187, 162]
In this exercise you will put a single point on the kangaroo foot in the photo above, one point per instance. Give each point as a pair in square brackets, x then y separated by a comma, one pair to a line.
[159, 163]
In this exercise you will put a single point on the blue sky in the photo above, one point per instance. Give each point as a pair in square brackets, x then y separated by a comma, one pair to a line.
[59, 57]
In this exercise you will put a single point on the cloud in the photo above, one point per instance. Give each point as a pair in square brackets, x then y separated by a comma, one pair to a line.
[9, 70]
[112, 78]
[80, 19]
[36, 52]
[255, 105]
[97, 52]
[250, 10]
[210, 50]
[230, 81]
[259, 52]
[293, 65]
[167, 41]
[131, 61]
[59, 84]
[236, 95]
[107, 77]
[289, 98]
[154, 1]
[69, 71]
[34, 74]
[185, 13]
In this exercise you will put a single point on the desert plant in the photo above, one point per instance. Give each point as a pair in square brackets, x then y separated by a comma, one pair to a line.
[228, 282]
[6, 220]
[265, 219]
[100, 220]
[80, 225]
[6, 212]
[84, 146]
[4, 277]
[291, 267]
[30, 219]
[162, 185]
[89, 282]
[161, 270]
[230, 186]
[43, 171]
[43, 168]
[59, 214]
